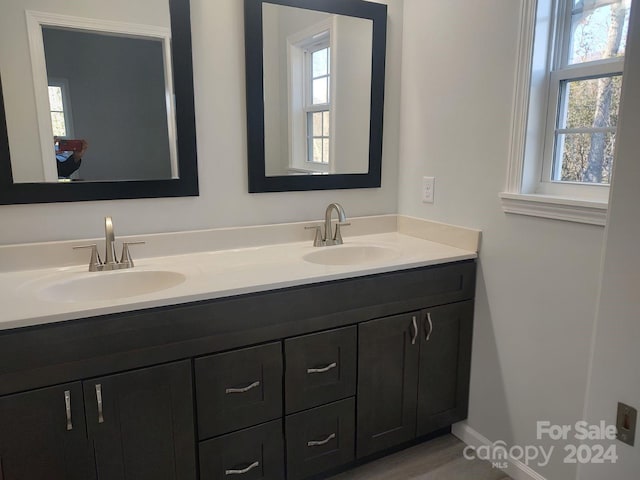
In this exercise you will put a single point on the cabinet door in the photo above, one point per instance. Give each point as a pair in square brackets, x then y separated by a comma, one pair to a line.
[141, 423]
[43, 435]
[445, 359]
[388, 354]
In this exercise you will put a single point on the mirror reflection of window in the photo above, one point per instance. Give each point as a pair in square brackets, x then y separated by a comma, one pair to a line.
[60, 108]
[318, 104]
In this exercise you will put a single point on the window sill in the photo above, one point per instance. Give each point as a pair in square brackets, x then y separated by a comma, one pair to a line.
[556, 208]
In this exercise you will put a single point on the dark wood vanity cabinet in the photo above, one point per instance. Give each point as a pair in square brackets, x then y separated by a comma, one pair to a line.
[413, 375]
[137, 424]
[140, 423]
[290, 383]
[43, 435]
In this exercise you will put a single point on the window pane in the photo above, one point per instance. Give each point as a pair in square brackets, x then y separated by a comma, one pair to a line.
[317, 124]
[55, 99]
[598, 30]
[325, 124]
[57, 122]
[585, 157]
[317, 150]
[320, 61]
[325, 150]
[320, 93]
[591, 103]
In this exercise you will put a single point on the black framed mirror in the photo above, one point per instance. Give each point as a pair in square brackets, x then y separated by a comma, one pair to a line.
[315, 93]
[130, 149]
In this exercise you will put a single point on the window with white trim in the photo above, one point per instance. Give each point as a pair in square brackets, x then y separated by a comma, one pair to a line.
[311, 71]
[318, 102]
[570, 77]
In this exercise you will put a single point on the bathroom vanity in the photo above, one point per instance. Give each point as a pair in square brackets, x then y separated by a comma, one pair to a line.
[295, 381]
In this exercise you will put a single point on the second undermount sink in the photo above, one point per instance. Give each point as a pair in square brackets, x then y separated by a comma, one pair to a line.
[351, 254]
[114, 285]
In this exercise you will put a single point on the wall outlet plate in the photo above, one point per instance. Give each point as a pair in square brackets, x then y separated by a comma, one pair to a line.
[626, 423]
[428, 184]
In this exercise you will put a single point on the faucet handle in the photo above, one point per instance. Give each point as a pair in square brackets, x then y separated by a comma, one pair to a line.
[95, 262]
[317, 241]
[125, 258]
[337, 238]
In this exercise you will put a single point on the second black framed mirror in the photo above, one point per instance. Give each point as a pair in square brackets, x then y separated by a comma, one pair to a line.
[315, 93]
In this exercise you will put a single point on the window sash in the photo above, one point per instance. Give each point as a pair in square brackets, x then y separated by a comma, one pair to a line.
[562, 72]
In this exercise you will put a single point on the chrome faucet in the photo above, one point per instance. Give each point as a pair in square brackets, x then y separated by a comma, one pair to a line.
[110, 262]
[330, 237]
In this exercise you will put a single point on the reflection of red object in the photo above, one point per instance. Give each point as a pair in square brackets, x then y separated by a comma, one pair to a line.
[69, 145]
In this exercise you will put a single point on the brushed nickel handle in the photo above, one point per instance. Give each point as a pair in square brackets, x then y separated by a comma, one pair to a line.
[243, 470]
[414, 323]
[323, 369]
[94, 262]
[317, 443]
[243, 389]
[125, 256]
[99, 400]
[67, 407]
[430, 327]
[317, 239]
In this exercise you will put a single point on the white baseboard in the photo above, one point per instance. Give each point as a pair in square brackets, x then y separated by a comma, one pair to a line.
[515, 469]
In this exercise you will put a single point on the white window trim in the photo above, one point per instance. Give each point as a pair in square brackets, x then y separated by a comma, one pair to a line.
[518, 198]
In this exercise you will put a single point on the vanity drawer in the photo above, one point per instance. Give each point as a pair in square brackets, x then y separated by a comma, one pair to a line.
[320, 439]
[238, 389]
[256, 453]
[320, 368]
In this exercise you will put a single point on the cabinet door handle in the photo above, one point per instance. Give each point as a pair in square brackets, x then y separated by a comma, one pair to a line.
[99, 400]
[428, 336]
[67, 407]
[243, 389]
[243, 470]
[317, 443]
[414, 324]
[323, 369]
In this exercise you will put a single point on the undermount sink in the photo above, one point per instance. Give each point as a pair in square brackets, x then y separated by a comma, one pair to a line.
[110, 285]
[351, 254]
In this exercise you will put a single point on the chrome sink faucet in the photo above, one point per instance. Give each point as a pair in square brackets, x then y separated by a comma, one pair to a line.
[110, 262]
[330, 237]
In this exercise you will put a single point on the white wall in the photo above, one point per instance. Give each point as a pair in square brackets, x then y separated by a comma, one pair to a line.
[218, 50]
[537, 279]
[615, 376]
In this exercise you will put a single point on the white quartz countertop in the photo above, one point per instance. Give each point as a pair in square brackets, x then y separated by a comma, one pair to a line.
[26, 298]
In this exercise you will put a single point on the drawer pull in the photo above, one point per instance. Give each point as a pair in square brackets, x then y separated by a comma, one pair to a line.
[323, 369]
[242, 471]
[67, 407]
[244, 389]
[99, 400]
[317, 443]
[430, 327]
[414, 336]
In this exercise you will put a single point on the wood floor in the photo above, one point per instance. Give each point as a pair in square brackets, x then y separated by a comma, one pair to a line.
[438, 459]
